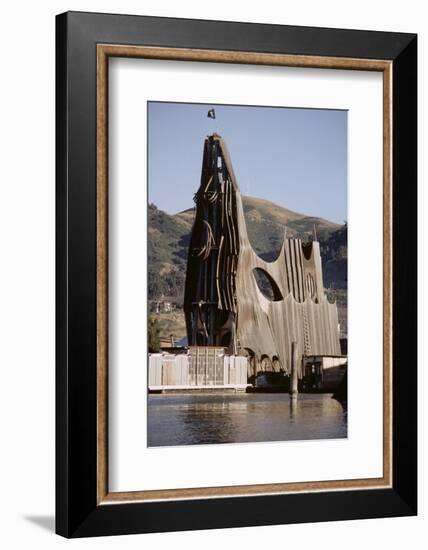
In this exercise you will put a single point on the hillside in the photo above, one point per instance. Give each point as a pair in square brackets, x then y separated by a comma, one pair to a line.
[266, 222]
[168, 241]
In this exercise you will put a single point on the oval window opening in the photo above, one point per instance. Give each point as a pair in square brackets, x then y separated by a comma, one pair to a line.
[267, 285]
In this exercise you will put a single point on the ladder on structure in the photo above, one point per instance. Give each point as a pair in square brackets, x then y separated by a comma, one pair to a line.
[306, 336]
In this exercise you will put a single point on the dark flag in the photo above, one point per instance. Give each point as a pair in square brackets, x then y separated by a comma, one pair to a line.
[211, 113]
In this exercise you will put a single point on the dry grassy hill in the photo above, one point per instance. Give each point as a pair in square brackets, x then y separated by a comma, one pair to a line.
[168, 241]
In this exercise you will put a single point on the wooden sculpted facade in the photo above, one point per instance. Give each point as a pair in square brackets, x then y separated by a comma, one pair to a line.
[223, 303]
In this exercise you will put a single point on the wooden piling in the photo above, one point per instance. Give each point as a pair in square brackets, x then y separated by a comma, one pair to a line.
[293, 406]
[294, 370]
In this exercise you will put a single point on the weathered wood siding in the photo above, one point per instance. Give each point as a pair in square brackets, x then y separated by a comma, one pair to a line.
[235, 306]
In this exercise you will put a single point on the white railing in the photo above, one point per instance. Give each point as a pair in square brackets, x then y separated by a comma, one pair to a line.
[170, 370]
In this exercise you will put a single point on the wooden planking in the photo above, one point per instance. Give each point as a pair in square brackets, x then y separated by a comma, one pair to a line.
[268, 328]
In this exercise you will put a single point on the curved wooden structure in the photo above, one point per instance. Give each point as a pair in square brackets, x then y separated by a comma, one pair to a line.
[223, 303]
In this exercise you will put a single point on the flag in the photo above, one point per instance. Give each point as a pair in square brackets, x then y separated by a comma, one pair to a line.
[211, 113]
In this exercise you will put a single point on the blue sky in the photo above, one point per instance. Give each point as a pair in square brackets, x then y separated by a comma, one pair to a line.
[296, 158]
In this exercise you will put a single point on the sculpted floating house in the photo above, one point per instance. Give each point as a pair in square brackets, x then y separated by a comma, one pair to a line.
[223, 303]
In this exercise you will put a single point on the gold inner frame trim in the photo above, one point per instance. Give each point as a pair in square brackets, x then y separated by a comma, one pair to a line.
[104, 51]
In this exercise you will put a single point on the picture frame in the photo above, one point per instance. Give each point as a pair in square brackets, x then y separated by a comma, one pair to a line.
[84, 44]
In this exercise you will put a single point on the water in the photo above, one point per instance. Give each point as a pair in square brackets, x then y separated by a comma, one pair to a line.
[195, 419]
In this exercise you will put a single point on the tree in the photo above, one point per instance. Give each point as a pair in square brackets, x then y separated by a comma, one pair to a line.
[154, 340]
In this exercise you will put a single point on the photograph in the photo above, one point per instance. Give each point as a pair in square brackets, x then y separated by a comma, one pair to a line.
[213, 275]
[247, 268]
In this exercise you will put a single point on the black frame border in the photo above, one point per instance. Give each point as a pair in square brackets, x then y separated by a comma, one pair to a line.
[77, 512]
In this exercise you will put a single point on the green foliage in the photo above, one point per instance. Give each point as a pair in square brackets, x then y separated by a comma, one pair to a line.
[153, 332]
[168, 238]
[334, 253]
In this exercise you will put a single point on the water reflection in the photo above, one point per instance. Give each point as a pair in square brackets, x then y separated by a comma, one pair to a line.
[293, 407]
[215, 418]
